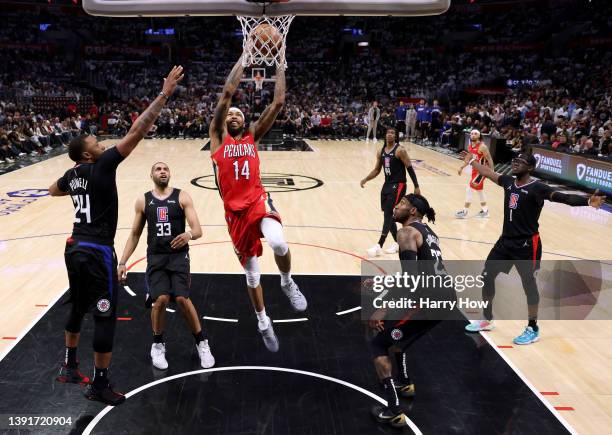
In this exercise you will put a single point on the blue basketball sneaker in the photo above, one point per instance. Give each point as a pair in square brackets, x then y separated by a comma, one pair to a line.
[479, 325]
[528, 336]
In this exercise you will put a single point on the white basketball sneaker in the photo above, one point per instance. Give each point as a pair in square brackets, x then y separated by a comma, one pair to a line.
[269, 337]
[461, 214]
[207, 360]
[296, 298]
[483, 214]
[375, 251]
[393, 249]
[158, 355]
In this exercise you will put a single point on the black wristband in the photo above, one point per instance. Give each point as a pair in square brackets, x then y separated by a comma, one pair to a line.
[569, 199]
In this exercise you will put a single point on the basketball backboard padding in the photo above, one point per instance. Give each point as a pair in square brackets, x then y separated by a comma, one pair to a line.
[132, 8]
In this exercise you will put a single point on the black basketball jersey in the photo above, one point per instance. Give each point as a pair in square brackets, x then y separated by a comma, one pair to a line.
[93, 190]
[429, 251]
[394, 169]
[522, 206]
[165, 221]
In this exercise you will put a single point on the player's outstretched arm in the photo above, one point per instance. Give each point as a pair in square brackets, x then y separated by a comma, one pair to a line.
[267, 118]
[595, 200]
[402, 154]
[217, 125]
[195, 230]
[132, 241]
[145, 121]
[486, 171]
[374, 171]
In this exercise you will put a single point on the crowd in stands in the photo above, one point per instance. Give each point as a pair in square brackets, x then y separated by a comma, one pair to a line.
[565, 103]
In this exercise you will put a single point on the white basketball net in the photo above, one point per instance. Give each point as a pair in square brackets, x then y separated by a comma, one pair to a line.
[258, 49]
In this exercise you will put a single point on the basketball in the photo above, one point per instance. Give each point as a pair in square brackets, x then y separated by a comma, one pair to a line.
[266, 37]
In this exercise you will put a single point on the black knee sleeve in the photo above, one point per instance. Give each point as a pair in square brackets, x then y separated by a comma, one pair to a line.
[75, 319]
[488, 288]
[531, 290]
[104, 334]
[380, 344]
[388, 223]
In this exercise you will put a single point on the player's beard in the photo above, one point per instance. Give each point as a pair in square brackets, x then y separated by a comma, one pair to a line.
[234, 131]
[161, 183]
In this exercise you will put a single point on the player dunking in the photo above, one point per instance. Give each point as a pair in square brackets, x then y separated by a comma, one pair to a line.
[393, 159]
[520, 244]
[233, 149]
[479, 152]
[89, 254]
[416, 242]
[165, 209]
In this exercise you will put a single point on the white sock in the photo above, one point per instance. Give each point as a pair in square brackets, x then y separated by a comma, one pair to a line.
[485, 208]
[263, 321]
[285, 278]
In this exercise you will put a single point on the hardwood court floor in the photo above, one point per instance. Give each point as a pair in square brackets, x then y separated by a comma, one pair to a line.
[329, 228]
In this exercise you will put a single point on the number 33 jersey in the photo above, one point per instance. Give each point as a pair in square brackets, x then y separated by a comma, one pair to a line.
[165, 221]
[236, 165]
[93, 190]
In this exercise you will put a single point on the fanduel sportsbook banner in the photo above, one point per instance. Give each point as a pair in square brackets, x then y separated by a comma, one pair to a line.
[592, 174]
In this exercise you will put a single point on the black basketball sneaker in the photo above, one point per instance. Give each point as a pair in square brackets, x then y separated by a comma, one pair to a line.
[104, 395]
[71, 375]
[383, 414]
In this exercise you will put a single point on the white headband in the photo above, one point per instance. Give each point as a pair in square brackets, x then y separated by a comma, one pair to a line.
[237, 109]
[476, 131]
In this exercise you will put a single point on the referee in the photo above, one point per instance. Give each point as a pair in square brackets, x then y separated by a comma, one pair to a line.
[90, 258]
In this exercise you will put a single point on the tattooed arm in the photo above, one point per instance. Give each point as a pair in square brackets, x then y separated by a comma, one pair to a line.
[217, 126]
[145, 121]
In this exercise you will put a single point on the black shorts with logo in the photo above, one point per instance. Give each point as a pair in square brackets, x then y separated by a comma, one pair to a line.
[523, 252]
[390, 195]
[92, 276]
[168, 274]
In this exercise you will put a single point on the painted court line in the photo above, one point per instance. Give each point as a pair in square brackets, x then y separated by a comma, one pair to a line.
[520, 374]
[31, 325]
[301, 319]
[350, 310]
[129, 290]
[90, 427]
[220, 319]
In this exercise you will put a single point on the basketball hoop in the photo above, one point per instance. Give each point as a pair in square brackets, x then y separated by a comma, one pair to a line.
[262, 48]
[259, 81]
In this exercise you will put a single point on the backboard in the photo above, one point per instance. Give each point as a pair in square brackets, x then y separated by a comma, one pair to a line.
[130, 8]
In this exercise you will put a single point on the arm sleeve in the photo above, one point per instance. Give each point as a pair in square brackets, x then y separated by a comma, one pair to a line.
[566, 198]
[110, 159]
[505, 180]
[412, 175]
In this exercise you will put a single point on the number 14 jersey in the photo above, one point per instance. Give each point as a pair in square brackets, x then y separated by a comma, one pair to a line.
[236, 165]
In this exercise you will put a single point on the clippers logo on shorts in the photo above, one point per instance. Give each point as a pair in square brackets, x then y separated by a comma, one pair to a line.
[162, 214]
[397, 334]
[103, 305]
[514, 198]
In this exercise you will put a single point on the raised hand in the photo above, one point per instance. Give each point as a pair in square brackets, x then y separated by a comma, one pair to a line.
[173, 79]
[597, 200]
